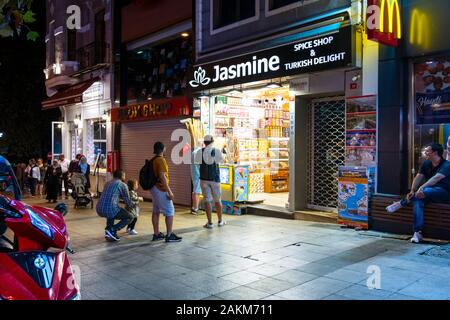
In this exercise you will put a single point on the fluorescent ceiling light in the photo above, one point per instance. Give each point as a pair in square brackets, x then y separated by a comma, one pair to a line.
[273, 85]
[235, 91]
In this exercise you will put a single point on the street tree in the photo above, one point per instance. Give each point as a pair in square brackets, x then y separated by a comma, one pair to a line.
[15, 18]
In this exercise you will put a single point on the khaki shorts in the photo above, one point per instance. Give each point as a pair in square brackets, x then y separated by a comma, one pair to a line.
[211, 191]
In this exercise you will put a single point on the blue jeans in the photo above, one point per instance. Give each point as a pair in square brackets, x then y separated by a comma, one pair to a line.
[432, 194]
[125, 218]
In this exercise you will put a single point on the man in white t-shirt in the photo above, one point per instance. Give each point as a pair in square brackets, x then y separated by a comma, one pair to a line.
[64, 164]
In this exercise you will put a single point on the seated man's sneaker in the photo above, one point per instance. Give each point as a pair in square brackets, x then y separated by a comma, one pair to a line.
[417, 237]
[394, 207]
[397, 206]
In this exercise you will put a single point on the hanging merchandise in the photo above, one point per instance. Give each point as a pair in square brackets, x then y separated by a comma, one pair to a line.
[357, 179]
[361, 134]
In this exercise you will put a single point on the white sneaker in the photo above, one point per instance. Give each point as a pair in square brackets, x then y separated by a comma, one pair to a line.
[133, 232]
[208, 226]
[394, 207]
[222, 223]
[417, 237]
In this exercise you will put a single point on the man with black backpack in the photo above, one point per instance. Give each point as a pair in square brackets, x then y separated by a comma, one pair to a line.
[154, 176]
[209, 159]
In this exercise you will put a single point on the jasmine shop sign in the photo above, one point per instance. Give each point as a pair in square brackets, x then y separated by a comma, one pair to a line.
[321, 53]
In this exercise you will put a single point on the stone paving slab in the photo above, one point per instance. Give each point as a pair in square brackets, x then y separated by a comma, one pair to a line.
[253, 257]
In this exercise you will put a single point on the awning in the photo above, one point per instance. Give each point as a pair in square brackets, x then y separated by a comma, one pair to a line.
[69, 95]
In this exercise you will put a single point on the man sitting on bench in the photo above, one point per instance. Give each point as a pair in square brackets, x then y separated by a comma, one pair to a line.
[435, 171]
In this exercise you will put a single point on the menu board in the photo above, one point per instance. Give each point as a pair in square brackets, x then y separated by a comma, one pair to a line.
[354, 192]
[361, 131]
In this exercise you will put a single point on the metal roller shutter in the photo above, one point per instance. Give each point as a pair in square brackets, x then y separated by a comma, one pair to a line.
[137, 140]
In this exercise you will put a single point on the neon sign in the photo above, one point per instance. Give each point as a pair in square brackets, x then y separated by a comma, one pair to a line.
[384, 22]
[419, 29]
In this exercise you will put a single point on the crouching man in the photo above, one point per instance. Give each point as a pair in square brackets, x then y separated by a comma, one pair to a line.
[108, 206]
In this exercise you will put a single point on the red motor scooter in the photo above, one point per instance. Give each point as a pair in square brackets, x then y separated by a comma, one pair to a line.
[28, 269]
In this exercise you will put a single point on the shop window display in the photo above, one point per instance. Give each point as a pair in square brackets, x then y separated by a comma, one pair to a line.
[160, 71]
[361, 131]
[432, 106]
[96, 143]
[253, 130]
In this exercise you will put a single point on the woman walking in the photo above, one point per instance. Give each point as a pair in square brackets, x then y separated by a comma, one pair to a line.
[52, 177]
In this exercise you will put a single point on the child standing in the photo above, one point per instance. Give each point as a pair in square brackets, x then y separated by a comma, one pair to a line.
[133, 185]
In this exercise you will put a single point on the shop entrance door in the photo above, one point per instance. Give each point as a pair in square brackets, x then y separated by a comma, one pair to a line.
[326, 151]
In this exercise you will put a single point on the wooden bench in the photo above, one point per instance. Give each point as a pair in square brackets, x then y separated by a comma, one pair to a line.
[437, 218]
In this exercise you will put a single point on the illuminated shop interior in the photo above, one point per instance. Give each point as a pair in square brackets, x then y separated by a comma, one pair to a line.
[251, 124]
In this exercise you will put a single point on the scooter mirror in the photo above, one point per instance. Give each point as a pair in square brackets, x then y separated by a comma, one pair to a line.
[62, 208]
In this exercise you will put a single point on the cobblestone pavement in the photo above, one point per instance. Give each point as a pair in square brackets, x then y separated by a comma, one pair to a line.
[251, 258]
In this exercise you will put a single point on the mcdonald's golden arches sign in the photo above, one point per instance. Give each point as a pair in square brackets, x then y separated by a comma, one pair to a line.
[384, 21]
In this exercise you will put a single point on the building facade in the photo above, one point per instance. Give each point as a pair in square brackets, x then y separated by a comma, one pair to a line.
[152, 102]
[79, 78]
[273, 80]
[414, 86]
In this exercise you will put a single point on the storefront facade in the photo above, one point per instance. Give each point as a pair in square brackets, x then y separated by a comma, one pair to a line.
[278, 107]
[80, 82]
[414, 98]
[154, 62]
[144, 124]
[86, 125]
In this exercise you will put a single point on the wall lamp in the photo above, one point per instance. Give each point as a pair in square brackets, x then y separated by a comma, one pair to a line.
[106, 115]
[77, 119]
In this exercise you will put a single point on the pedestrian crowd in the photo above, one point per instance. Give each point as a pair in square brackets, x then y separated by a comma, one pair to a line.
[119, 200]
[52, 180]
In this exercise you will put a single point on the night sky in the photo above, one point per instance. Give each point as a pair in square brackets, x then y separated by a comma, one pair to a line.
[25, 128]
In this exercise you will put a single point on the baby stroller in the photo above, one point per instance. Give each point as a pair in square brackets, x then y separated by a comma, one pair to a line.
[79, 194]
